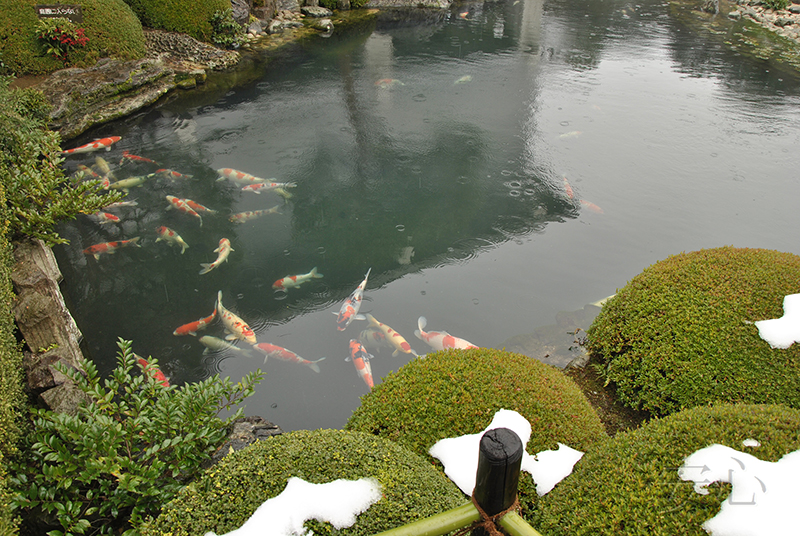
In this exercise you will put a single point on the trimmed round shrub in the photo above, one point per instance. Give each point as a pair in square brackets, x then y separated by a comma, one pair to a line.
[630, 484]
[228, 494]
[457, 392]
[191, 17]
[680, 334]
[111, 26]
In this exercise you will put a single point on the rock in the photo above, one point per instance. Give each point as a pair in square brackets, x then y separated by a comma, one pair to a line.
[316, 11]
[241, 11]
[64, 398]
[343, 5]
[243, 432]
[41, 372]
[255, 28]
[711, 6]
[288, 5]
[326, 25]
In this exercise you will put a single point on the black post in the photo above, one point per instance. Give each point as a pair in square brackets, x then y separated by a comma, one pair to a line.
[497, 477]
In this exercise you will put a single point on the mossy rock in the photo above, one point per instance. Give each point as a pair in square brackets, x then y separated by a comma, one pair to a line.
[630, 485]
[680, 334]
[228, 494]
[191, 17]
[457, 392]
[111, 26]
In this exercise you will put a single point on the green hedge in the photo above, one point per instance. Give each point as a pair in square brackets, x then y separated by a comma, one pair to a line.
[452, 393]
[679, 334]
[228, 494]
[630, 485]
[192, 17]
[111, 26]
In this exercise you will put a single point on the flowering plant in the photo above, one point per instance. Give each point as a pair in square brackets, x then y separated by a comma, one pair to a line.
[60, 35]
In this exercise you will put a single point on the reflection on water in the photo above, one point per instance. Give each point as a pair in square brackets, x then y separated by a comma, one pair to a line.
[490, 169]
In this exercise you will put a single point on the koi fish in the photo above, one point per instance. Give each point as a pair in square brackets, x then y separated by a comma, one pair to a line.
[464, 79]
[110, 247]
[104, 143]
[193, 327]
[127, 156]
[235, 326]
[104, 168]
[183, 206]
[440, 340]
[360, 358]
[119, 204]
[395, 339]
[89, 171]
[239, 177]
[197, 207]
[153, 371]
[294, 281]
[224, 249]
[591, 206]
[215, 344]
[374, 338]
[172, 174]
[242, 217]
[171, 237]
[388, 83]
[258, 186]
[349, 310]
[104, 217]
[571, 134]
[568, 189]
[278, 352]
[283, 193]
[131, 182]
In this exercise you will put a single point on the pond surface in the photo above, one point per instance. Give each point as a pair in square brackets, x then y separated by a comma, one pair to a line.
[492, 168]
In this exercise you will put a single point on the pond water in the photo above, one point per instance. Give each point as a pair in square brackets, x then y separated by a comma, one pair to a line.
[492, 168]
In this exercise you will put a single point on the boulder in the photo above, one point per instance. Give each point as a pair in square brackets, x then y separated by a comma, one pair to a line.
[316, 11]
[243, 432]
[241, 11]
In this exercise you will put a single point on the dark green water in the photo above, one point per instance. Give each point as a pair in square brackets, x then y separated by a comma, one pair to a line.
[680, 141]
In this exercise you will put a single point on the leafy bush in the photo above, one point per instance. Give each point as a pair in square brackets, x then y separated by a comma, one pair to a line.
[60, 35]
[776, 4]
[186, 16]
[111, 27]
[228, 494]
[38, 193]
[227, 33]
[678, 335]
[630, 484]
[128, 451]
[453, 393]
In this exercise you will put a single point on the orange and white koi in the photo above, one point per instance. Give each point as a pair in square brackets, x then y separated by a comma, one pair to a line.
[183, 206]
[235, 326]
[373, 338]
[105, 217]
[104, 143]
[278, 352]
[440, 340]
[257, 187]
[193, 327]
[197, 207]
[151, 370]
[127, 156]
[239, 177]
[224, 249]
[242, 217]
[349, 310]
[110, 247]
[568, 189]
[360, 358]
[591, 206]
[388, 83]
[171, 237]
[294, 281]
[215, 344]
[92, 174]
[395, 339]
[172, 174]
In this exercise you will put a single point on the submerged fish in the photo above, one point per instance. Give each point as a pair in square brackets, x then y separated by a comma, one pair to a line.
[105, 217]
[440, 340]
[388, 83]
[464, 79]
[104, 143]
[242, 217]
[184, 207]
[360, 358]
[349, 310]
[235, 326]
[130, 182]
[193, 327]
[194, 205]
[128, 157]
[278, 352]
[568, 189]
[239, 177]
[294, 281]
[215, 344]
[152, 370]
[571, 134]
[119, 204]
[172, 174]
[257, 187]
[171, 237]
[110, 247]
[395, 339]
[591, 206]
[374, 338]
[223, 250]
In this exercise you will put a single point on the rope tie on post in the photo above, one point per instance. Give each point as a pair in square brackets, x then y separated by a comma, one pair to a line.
[487, 522]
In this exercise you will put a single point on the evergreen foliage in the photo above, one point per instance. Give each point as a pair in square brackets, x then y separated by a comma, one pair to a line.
[185, 16]
[680, 334]
[630, 484]
[228, 494]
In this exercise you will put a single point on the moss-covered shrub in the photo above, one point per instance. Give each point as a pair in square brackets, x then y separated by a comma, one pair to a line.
[679, 334]
[228, 494]
[186, 16]
[112, 28]
[630, 485]
[453, 393]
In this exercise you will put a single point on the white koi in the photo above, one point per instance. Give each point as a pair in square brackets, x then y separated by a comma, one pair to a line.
[224, 249]
[215, 344]
[294, 281]
[171, 237]
[235, 326]
[440, 340]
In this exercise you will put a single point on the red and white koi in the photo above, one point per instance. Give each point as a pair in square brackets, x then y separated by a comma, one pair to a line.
[128, 157]
[151, 370]
[110, 247]
[105, 217]
[104, 143]
[360, 358]
[193, 327]
[568, 189]
[278, 352]
[171, 237]
[257, 187]
[183, 206]
[591, 206]
[395, 339]
[374, 338]
[172, 174]
[440, 340]
[235, 326]
[242, 217]
[388, 83]
[224, 249]
[239, 177]
[349, 310]
[92, 174]
[215, 344]
[197, 207]
[294, 281]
